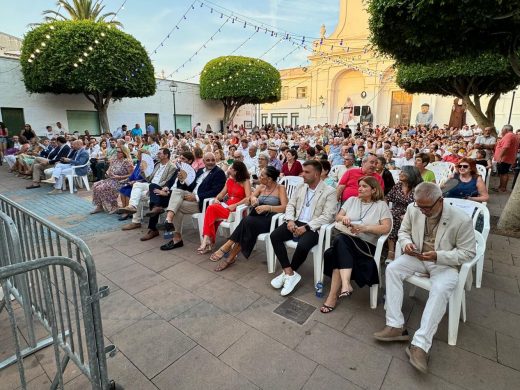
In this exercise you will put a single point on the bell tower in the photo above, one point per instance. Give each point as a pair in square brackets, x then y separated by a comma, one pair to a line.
[352, 22]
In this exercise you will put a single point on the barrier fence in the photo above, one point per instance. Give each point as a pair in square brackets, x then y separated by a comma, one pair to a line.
[51, 275]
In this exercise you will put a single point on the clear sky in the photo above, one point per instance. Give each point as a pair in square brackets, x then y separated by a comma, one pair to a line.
[150, 22]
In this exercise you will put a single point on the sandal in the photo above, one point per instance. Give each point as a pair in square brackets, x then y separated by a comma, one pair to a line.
[204, 250]
[326, 309]
[345, 294]
[216, 257]
[223, 264]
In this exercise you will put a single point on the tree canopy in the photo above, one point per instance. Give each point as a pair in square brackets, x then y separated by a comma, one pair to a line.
[86, 57]
[237, 80]
[411, 30]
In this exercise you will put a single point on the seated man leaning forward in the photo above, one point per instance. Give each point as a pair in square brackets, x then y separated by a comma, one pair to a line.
[61, 170]
[312, 205]
[209, 182]
[436, 238]
[162, 172]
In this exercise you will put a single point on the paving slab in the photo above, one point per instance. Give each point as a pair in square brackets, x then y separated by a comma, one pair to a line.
[135, 278]
[324, 379]
[471, 371]
[508, 351]
[355, 361]
[167, 299]
[227, 295]
[200, 370]
[402, 376]
[210, 327]
[188, 275]
[152, 345]
[268, 363]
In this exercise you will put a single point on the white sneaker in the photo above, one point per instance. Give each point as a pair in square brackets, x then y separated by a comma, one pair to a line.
[290, 283]
[278, 281]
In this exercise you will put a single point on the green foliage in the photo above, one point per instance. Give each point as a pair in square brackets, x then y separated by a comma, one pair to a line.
[483, 75]
[413, 30]
[117, 66]
[244, 79]
[81, 10]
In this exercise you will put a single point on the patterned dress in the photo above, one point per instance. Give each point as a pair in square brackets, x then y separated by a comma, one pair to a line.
[399, 204]
[106, 191]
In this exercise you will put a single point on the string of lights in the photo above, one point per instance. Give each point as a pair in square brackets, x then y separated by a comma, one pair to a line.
[175, 27]
[202, 47]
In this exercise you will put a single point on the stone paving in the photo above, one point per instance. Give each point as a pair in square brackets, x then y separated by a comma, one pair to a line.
[180, 325]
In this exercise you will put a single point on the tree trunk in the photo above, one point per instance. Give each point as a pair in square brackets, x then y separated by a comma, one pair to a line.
[231, 107]
[486, 119]
[510, 217]
[101, 102]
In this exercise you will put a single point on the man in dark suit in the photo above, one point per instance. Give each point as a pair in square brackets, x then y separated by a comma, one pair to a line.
[77, 156]
[41, 163]
[160, 196]
[209, 182]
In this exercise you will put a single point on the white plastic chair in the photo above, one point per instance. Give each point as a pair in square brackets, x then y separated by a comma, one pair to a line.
[266, 238]
[457, 302]
[70, 178]
[483, 171]
[474, 209]
[316, 252]
[290, 183]
[230, 226]
[377, 259]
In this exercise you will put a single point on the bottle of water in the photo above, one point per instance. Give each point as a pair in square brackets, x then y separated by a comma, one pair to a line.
[319, 290]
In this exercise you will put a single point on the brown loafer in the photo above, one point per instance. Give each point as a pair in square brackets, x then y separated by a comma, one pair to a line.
[418, 358]
[127, 210]
[151, 234]
[131, 226]
[392, 334]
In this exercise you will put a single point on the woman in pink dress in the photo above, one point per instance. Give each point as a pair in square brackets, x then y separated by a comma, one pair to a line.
[236, 192]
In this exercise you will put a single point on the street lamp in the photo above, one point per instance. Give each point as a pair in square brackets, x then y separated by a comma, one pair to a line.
[173, 88]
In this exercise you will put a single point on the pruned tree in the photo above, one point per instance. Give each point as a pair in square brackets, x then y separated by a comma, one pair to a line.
[236, 80]
[86, 57]
[410, 30]
[468, 78]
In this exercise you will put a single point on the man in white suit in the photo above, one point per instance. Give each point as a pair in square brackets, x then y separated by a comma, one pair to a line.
[436, 239]
[312, 205]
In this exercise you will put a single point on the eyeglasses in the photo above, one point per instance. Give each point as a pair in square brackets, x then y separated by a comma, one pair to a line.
[427, 208]
[465, 166]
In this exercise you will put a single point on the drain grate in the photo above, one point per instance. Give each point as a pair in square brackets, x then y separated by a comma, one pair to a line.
[295, 310]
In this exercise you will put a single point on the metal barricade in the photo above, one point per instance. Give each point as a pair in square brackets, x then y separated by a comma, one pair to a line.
[76, 319]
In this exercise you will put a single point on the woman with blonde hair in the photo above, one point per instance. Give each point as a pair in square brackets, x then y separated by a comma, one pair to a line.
[105, 192]
[360, 222]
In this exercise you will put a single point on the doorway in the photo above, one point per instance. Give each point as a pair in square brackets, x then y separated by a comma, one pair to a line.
[153, 119]
[13, 119]
[401, 109]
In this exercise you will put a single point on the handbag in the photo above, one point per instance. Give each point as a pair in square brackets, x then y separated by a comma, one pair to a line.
[344, 229]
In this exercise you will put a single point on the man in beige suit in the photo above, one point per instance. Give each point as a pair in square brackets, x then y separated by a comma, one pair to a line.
[436, 239]
[312, 205]
[161, 173]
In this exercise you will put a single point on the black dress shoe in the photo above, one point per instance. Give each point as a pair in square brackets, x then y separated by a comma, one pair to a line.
[171, 245]
[124, 217]
[168, 226]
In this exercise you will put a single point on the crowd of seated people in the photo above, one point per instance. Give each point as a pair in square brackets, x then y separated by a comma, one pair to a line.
[346, 180]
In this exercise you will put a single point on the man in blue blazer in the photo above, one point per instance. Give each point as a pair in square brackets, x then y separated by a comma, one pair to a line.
[41, 163]
[79, 157]
[209, 182]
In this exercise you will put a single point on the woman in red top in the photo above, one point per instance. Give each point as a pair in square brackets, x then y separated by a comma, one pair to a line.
[236, 191]
[292, 167]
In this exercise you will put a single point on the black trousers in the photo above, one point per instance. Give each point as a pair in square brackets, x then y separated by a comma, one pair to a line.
[156, 200]
[305, 243]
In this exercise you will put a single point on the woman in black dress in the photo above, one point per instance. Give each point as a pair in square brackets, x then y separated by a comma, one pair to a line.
[28, 133]
[268, 199]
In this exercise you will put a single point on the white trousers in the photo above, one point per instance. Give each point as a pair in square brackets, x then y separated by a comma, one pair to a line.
[60, 170]
[138, 197]
[444, 280]
[10, 159]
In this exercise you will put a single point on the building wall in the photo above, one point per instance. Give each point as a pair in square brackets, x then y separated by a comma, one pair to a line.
[41, 110]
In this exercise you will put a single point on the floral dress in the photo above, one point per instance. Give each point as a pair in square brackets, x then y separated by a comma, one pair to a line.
[399, 204]
[105, 192]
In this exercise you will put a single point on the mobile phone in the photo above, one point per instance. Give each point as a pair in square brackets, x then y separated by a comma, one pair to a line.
[416, 253]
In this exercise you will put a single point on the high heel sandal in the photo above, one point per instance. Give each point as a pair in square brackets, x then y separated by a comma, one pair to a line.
[204, 248]
[223, 264]
[216, 257]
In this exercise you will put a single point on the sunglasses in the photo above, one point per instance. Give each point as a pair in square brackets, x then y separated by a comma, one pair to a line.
[465, 166]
